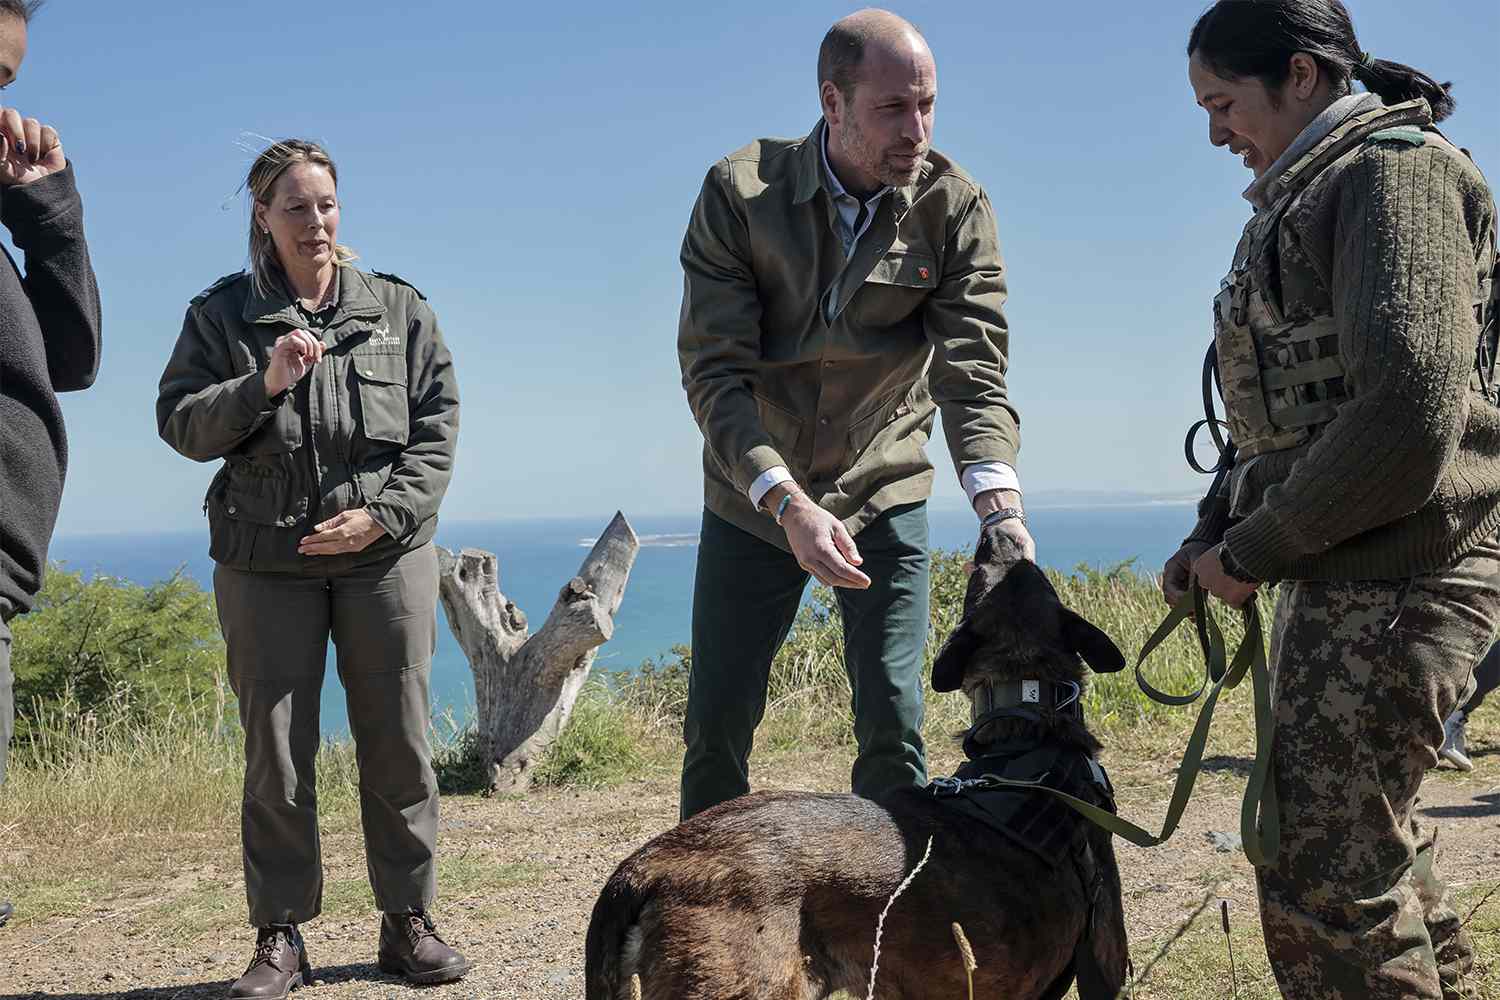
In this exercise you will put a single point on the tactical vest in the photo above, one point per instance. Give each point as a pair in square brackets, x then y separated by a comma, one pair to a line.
[1280, 374]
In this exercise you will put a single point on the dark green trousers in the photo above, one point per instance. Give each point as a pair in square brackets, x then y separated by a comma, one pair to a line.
[745, 599]
[383, 620]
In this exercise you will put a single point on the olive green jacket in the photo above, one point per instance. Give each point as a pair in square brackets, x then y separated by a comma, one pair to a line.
[847, 405]
[373, 425]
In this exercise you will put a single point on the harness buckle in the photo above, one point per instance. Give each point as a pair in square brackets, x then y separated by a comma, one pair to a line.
[946, 787]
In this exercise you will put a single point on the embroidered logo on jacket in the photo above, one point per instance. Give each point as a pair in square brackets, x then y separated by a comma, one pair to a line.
[382, 337]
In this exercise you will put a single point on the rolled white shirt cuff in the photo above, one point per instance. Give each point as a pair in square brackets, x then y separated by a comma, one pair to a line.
[764, 482]
[982, 476]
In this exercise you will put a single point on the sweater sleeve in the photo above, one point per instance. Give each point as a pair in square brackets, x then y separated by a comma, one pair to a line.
[1402, 272]
[46, 219]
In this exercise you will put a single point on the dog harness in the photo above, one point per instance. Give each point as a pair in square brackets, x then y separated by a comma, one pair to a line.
[1042, 824]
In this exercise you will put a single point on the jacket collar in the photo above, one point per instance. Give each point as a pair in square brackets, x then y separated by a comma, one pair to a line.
[355, 299]
[811, 176]
[1361, 121]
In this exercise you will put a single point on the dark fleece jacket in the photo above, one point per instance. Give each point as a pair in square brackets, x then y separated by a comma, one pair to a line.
[49, 343]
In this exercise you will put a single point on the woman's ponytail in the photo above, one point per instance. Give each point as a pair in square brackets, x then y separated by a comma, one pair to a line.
[1396, 82]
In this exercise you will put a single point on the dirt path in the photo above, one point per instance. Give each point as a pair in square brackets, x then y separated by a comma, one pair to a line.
[519, 877]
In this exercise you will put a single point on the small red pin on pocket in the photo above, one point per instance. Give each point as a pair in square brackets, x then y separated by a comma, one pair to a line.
[922, 273]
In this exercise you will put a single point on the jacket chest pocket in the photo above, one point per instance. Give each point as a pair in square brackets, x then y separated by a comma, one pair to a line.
[895, 287]
[383, 410]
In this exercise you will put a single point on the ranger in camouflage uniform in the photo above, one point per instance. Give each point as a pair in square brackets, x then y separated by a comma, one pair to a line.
[1365, 477]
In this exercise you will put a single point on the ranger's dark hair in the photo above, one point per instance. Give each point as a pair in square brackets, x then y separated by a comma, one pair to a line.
[1257, 38]
[24, 9]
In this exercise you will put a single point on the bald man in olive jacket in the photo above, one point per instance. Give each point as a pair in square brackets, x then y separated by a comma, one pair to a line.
[839, 289]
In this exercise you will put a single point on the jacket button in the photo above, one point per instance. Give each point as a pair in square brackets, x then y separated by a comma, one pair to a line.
[823, 421]
[231, 508]
[289, 520]
[369, 373]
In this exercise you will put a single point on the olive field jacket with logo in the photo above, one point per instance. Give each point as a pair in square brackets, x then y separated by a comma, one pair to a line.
[373, 425]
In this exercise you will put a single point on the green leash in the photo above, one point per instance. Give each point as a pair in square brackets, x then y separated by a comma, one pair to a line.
[1260, 815]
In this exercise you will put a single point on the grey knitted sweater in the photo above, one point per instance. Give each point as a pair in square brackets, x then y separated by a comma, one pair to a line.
[1406, 478]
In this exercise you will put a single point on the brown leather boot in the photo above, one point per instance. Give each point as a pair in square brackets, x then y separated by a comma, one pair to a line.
[280, 965]
[410, 947]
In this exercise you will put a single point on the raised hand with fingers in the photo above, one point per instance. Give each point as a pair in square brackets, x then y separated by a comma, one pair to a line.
[29, 150]
[292, 358]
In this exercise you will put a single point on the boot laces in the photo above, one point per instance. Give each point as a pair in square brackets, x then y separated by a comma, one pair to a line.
[268, 946]
[418, 926]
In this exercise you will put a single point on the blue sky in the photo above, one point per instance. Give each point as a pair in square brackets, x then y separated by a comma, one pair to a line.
[531, 167]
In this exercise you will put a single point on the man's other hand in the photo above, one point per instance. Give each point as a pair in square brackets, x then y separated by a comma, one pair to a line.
[989, 501]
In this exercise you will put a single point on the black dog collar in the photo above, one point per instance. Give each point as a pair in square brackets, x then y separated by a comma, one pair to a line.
[1062, 697]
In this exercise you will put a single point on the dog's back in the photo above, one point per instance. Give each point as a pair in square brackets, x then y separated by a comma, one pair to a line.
[726, 904]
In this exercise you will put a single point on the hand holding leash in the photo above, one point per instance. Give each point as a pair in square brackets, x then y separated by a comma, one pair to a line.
[1215, 578]
[1177, 574]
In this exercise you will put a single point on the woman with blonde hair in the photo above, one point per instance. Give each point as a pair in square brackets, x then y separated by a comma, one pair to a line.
[330, 398]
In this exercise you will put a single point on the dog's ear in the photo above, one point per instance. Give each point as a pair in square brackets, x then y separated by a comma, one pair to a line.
[1089, 641]
[948, 667]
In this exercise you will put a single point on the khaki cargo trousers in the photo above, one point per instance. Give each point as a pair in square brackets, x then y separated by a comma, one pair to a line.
[1364, 675]
[383, 620]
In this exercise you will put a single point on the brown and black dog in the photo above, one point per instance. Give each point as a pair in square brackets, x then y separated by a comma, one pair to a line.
[775, 896]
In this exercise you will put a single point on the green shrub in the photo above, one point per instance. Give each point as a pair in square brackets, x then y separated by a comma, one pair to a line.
[599, 746]
[108, 644]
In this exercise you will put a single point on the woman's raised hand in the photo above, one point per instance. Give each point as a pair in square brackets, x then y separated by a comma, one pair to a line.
[291, 359]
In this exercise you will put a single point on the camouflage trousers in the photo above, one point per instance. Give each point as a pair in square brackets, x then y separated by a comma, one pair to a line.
[1364, 674]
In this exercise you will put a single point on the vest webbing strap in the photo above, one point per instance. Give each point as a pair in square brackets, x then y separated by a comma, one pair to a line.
[1311, 333]
[1303, 373]
[1306, 415]
[1260, 814]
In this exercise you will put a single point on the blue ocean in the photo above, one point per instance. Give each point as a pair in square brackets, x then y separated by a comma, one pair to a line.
[536, 557]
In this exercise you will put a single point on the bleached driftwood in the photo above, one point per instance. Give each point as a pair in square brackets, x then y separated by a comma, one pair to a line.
[525, 684]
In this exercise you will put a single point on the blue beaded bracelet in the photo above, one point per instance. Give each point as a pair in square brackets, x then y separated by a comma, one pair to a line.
[781, 507]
